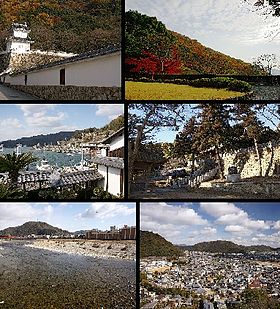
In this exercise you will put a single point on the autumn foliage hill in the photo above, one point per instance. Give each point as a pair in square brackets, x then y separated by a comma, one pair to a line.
[151, 48]
[64, 25]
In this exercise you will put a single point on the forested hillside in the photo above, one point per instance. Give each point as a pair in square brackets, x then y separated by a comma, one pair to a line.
[32, 227]
[150, 46]
[152, 244]
[64, 25]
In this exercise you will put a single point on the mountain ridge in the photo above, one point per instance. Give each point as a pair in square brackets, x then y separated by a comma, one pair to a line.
[33, 227]
[153, 244]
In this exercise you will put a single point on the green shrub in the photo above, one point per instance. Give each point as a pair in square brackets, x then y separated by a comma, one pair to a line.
[221, 82]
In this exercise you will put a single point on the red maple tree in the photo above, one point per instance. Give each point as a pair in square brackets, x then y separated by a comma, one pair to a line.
[153, 64]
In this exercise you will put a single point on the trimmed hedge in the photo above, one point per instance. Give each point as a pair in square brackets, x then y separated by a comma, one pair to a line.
[228, 83]
[221, 82]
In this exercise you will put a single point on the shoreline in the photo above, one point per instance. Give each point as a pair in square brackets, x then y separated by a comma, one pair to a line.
[122, 250]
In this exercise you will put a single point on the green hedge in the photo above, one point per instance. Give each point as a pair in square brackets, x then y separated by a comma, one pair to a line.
[221, 82]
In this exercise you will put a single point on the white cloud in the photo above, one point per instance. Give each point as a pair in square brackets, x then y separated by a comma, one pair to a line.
[219, 209]
[237, 221]
[163, 213]
[277, 225]
[30, 109]
[17, 213]
[105, 211]
[110, 110]
[11, 123]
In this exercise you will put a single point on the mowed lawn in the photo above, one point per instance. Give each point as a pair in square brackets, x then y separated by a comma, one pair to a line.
[164, 91]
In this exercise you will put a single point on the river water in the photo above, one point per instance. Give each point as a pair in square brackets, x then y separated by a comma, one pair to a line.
[54, 158]
[36, 278]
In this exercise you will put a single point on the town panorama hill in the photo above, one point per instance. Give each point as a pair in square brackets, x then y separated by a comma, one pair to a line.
[152, 244]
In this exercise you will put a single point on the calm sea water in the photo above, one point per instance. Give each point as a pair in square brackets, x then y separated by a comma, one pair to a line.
[53, 158]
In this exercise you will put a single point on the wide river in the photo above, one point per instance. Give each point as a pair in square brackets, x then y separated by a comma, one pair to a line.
[42, 279]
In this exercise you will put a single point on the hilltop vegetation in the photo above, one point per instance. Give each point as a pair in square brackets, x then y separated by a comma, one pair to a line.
[223, 246]
[32, 227]
[152, 244]
[151, 47]
[71, 26]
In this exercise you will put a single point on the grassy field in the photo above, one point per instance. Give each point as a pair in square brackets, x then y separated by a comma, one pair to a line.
[164, 91]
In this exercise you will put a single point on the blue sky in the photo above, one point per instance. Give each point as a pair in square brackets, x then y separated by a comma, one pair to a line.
[168, 134]
[69, 216]
[190, 223]
[233, 27]
[18, 120]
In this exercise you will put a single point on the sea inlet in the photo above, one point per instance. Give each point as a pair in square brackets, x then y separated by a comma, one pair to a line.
[33, 278]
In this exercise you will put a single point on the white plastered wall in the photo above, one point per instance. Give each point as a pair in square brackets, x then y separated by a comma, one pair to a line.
[113, 178]
[104, 71]
[117, 143]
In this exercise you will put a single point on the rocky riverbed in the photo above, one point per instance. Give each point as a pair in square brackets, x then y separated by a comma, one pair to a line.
[125, 249]
[32, 278]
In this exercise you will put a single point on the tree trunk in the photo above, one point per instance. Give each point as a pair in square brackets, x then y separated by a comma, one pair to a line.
[220, 165]
[258, 156]
[192, 170]
[134, 153]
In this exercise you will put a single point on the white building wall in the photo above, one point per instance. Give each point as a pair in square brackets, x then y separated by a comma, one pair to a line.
[117, 142]
[104, 71]
[18, 47]
[20, 34]
[114, 181]
[114, 178]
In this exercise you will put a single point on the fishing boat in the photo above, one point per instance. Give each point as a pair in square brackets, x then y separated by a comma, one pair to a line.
[44, 166]
[18, 149]
[83, 164]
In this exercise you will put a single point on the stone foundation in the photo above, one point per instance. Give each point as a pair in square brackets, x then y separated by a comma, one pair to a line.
[71, 92]
[269, 189]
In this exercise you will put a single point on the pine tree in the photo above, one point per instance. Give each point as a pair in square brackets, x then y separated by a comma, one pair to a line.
[213, 130]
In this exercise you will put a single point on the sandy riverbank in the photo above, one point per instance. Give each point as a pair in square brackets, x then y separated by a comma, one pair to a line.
[97, 248]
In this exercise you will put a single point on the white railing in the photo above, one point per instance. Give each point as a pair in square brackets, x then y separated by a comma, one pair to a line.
[194, 180]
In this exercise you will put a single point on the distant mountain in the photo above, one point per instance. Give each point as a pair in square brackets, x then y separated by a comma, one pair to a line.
[152, 244]
[41, 139]
[81, 232]
[32, 227]
[223, 246]
[85, 135]
[148, 39]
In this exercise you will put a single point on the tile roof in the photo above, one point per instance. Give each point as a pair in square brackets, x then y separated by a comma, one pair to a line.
[109, 161]
[62, 180]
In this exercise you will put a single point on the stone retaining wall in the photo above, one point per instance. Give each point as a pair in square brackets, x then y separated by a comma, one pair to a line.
[71, 92]
[247, 162]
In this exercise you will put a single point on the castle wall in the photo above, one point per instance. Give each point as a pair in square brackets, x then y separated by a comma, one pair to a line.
[70, 92]
[247, 162]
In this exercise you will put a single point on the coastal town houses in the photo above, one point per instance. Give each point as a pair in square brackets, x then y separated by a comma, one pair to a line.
[108, 155]
[98, 72]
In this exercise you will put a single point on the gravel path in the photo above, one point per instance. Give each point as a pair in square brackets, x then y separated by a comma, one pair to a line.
[35, 278]
[266, 92]
[198, 193]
